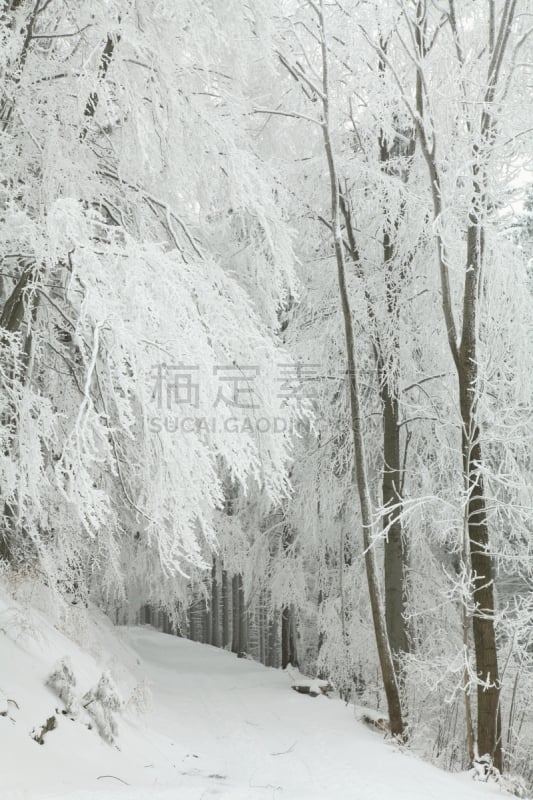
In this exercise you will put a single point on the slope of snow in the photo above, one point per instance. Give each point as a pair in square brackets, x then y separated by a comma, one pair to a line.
[219, 727]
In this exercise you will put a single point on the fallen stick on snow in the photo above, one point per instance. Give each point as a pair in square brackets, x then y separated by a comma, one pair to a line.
[114, 778]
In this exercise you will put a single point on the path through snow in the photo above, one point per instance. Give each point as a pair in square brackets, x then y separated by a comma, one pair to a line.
[219, 728]
[237, 731]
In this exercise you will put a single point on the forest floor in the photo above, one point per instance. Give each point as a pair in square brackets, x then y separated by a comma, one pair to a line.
[215, 726]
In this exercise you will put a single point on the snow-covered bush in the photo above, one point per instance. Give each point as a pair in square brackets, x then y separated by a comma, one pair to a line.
[102, 702]
[141, 699]
[62, 681]
[514, 784]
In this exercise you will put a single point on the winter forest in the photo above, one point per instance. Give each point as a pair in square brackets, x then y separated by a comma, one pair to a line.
[266, 355]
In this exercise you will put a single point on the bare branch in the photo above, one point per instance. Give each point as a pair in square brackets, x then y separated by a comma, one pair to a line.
[294, 114]
[61, 35]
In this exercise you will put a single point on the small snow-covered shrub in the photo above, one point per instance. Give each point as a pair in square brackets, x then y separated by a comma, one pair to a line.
[102, 702]
[484, 770]
[20, 623]
[141, 699]
[62, 681]
[514, 784]
[40, 732]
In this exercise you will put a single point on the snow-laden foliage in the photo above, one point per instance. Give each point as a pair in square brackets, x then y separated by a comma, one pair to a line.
[143, 241]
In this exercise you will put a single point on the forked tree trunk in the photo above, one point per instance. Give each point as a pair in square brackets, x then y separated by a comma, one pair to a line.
[466, 362]
[388, 360]
[387, 355]
[382, 642]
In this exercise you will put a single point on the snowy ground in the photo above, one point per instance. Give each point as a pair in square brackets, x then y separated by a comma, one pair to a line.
[218, 727]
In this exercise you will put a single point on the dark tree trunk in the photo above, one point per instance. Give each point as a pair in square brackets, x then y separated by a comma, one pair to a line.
[215, 606]
[288, 617]
[477, 549]
[226, 641]
[5, 552]
[272, 642]
[488, 690]
[394, 557]
[261, 628]
[206, 621]
[243, 618]
[236, 628]
[289, 655]
[388, 361]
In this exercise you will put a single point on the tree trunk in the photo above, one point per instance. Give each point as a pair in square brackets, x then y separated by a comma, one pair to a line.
[388, 364]
[243, 619]
[14, 312]
[488, 690]
[469, 720]
[261, 627]
[225, 610]
[289, 655]
[272, 642]
[388, 358]
[206, 622]
[382, 643]
[466, 362]
[394, 557]
[236, 628]
[215, 606]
